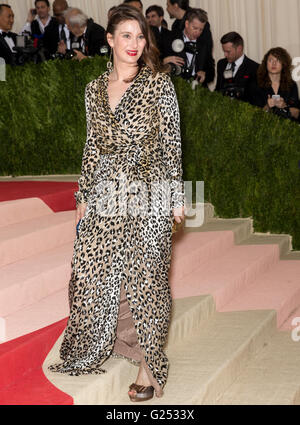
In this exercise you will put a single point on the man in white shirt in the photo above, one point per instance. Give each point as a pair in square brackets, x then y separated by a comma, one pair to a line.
[38, 18]
[7, 38]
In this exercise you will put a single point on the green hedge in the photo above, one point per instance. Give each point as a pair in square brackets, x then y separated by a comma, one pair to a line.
[247, 158]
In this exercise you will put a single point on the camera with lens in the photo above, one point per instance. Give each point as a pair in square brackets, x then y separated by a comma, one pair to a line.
[76, 45]
[231, 88]
[70, 54]
[185, 71]
[26, 51]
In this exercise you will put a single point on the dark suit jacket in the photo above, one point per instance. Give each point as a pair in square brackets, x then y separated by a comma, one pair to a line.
[246, 77]
[35, 28]
[163, 39]
[95, 38]
[36, 31]
[51, 37]
[5, 52]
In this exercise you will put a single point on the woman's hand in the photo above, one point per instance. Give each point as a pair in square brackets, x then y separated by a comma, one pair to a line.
[80, 212]
[271, 102]
[280, 103]
[178, 214]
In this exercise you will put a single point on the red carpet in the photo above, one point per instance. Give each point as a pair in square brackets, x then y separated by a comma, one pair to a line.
[59, 196]
[21, 376]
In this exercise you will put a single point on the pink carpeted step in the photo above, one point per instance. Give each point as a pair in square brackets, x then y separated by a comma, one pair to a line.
[22, 240]
[29, 280]
[21, 210]
[225, 276]
[277, 289]
[191, 250]
[46, 311]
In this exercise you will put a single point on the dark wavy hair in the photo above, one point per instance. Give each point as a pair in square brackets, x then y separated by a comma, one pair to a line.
[150, 54]
[285, 59]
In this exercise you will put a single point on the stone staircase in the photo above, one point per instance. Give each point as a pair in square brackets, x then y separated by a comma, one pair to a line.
[235, 294]
[232, 291]
[35, 252]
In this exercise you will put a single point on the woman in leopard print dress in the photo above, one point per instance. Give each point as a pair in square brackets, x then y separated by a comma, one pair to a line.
[130, 190]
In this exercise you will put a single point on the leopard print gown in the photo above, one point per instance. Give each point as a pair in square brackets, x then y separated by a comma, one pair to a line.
[125, 248]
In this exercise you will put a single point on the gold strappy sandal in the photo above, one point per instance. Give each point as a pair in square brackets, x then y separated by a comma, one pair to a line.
[142, 393]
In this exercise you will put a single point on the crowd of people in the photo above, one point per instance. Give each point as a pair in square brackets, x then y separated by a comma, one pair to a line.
[187, 48]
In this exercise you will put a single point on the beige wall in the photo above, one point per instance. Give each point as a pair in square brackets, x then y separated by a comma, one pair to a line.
[262, 23]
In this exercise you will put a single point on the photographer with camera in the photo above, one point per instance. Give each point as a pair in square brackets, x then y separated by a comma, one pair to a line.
[57, 37]
[38, 19]
[188, 54]
[90, 37]
[7, 38]
[237, 74]
[178, 9]
[277, 92]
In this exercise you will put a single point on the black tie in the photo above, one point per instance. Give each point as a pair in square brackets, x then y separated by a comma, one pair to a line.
[233, 67]
[63, 36]
[6, 34]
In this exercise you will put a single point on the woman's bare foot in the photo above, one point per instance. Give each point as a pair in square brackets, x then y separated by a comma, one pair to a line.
[142, 379]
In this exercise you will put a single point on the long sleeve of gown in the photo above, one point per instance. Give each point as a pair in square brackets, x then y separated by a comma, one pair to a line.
[171, 140]
[91, 152]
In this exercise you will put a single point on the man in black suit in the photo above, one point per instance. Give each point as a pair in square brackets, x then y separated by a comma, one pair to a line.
[7, 38]
[90, 37]
[178, 9]
[155, 17]
[237, 74]
[200, 65]
[57, 37]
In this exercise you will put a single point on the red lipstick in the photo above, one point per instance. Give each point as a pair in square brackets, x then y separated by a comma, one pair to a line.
[132, 52]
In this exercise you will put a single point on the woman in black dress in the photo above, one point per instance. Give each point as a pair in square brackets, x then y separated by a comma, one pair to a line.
[277, 92]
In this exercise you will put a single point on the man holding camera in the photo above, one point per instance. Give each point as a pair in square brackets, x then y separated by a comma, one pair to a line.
[237, 74]
[7, 38]
[90, 37]
[38, 19]
[191, 55]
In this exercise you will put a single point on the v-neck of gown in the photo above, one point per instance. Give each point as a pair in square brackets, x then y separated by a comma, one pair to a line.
[113, 113]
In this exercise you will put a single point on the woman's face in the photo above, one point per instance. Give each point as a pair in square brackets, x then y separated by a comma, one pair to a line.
[274, 66]
[128, 42]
